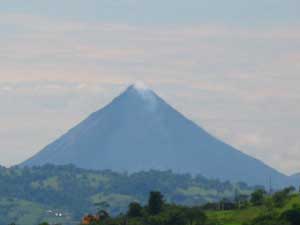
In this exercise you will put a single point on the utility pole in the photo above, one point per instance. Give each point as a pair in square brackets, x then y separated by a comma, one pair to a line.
[270, 186]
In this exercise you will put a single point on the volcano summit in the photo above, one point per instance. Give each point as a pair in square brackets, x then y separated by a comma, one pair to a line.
[139, 131]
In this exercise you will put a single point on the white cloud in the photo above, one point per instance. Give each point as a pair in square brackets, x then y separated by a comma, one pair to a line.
[242, 84]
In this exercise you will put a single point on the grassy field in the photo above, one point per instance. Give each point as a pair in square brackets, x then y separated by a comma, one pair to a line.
[20, 211]
[239, 217]
[233, 217]
[27, 213]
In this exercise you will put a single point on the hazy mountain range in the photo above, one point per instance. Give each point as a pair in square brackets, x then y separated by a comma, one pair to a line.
[139, 131]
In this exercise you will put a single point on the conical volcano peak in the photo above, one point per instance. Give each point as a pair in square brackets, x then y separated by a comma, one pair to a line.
[141, 91]
[139, 131]
[140, 86]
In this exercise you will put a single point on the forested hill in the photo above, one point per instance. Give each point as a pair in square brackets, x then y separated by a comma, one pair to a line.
[74, 192]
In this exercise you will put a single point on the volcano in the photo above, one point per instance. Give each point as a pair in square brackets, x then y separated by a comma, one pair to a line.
[139, 131]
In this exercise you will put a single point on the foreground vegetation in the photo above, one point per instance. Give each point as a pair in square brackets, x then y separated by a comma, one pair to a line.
[62, 194]
[280, 208]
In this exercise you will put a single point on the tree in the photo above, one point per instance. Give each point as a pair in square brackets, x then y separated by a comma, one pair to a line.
[289, 189]
[135, 210]
[155, 202]
[176, 217]
[268, 219]
[281, 197]
[103, 214]
[242, 201]
[257, 197]
[195, 216]
[292, 215]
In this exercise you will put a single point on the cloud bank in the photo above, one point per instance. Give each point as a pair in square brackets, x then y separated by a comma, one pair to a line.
[240, 82]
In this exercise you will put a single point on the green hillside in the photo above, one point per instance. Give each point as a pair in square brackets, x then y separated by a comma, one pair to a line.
[33, 195]
[64, 194]
[26, 212]
[245, 216]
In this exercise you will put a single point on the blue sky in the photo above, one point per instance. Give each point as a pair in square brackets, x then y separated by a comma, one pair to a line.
[231, 66]
[235, 12]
